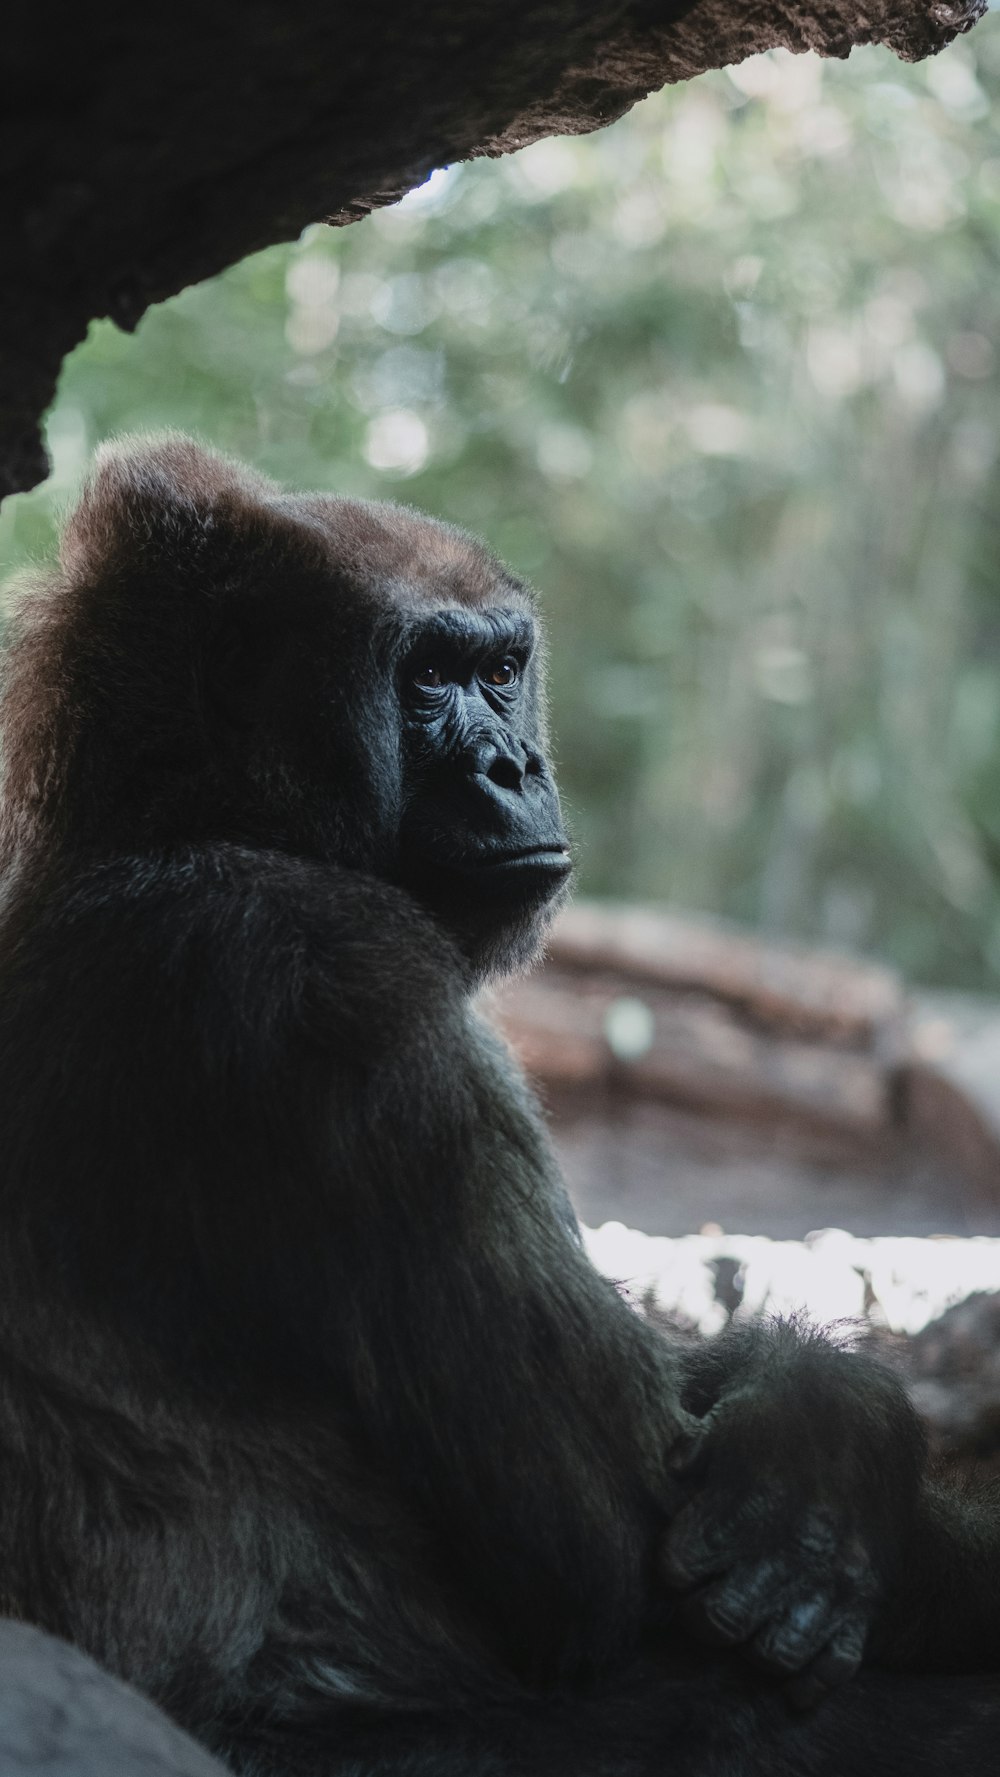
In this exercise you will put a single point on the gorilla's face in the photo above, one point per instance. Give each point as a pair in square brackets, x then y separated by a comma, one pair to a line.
[340, 679]
[482, 842]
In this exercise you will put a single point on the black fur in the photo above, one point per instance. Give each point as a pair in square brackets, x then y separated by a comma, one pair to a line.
[315, 1421]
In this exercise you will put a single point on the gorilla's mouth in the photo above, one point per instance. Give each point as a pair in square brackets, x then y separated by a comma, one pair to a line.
[532, 870]
[546, 860]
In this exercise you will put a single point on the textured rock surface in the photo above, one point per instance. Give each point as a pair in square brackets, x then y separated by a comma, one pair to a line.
[61, 1715]
[145, 149]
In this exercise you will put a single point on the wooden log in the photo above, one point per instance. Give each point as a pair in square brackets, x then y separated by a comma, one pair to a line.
[645, 1004]
[811, 993]
[578, 1031]
[656, 1005]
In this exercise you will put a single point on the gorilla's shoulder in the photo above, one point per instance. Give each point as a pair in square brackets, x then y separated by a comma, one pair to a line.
[250, 938]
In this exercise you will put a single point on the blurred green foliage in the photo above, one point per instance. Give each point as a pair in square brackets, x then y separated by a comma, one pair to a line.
[724, 381]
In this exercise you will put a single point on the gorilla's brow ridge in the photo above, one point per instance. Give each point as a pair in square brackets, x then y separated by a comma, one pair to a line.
[472, 630]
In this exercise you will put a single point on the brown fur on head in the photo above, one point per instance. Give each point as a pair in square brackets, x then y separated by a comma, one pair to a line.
[163, 681]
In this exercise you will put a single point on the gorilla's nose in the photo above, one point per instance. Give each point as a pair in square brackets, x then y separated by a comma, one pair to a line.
[505, 763]
[507, 771]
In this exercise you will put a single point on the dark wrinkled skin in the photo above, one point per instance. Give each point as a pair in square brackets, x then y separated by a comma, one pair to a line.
[315, 1421]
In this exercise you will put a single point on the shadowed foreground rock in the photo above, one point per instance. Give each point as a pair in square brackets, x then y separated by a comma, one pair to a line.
[145, 149]
[62, 1716]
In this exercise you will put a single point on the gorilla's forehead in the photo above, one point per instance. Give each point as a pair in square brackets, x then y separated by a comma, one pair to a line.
[465, 628]
[420, 560]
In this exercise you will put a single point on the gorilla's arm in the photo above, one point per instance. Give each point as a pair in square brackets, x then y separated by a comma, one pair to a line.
[942, 1612]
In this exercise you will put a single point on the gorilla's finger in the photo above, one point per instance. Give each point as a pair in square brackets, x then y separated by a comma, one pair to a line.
[699, 1545]
[796, 1634]
[837, 1663]
[733, 1608]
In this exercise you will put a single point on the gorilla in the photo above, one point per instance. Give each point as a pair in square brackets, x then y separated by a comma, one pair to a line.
[316, 1423]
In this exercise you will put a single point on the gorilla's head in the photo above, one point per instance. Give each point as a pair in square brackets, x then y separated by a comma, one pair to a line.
[218, 660]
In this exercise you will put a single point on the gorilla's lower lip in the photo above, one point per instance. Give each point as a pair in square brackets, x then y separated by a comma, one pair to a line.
[552, 859]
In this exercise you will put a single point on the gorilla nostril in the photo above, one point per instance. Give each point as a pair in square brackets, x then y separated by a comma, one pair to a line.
[533, 765]
[506, 773]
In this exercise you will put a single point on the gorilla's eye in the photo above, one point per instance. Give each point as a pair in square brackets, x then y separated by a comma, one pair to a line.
[429, 676]
[503, 674]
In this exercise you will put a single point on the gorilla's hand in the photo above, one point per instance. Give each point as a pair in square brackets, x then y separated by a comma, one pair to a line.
[801, 1484]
